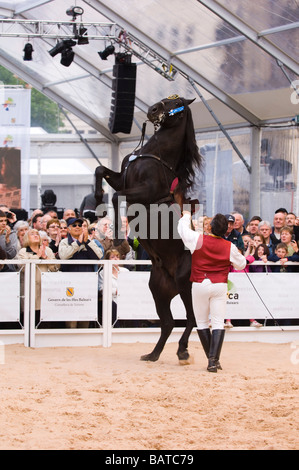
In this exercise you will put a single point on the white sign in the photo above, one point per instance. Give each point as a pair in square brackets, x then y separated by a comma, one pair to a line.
[251, 295]
[10, 296]
[69, 296]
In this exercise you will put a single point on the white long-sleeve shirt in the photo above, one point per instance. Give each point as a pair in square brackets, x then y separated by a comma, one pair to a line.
[193, 241]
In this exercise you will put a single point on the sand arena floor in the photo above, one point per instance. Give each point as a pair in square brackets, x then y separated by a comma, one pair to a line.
[106, 398]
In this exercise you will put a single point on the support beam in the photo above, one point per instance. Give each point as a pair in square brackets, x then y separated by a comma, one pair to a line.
[177, 63]
[255, 185]
[259, 40]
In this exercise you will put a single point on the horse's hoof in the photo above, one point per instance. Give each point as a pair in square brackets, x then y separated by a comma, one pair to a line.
[186, 362]
[149, 357]
[185, 358]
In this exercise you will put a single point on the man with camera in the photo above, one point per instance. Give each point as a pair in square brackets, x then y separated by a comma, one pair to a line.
[8, 238]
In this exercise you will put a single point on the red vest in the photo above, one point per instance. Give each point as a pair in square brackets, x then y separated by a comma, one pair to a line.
[211, 260]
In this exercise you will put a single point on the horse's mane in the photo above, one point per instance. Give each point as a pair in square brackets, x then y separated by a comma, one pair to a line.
[192, 158]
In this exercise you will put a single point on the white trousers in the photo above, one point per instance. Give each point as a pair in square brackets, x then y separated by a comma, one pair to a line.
[209, 300]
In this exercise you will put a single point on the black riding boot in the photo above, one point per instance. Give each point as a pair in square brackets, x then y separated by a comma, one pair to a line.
[215, 350]
[205, 339]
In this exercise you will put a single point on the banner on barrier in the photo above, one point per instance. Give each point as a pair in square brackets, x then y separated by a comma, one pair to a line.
[69, 296]
[252, 295]
[10, 297]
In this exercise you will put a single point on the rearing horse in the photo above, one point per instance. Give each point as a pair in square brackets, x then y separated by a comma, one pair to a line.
[146, 176]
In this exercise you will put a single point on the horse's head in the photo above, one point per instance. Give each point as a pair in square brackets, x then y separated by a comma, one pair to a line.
[169, 111]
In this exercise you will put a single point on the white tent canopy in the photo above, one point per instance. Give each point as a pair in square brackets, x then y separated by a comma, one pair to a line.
[239, 59]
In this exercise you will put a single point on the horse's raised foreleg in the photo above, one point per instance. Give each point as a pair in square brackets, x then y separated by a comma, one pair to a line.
[162, 290]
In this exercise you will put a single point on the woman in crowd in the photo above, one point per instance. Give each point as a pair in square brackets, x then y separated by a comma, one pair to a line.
[33, 248]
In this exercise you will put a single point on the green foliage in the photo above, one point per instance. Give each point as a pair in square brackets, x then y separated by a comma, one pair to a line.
[44, 112]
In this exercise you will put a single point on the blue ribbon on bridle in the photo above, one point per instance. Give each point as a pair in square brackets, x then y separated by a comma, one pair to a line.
[176, 110]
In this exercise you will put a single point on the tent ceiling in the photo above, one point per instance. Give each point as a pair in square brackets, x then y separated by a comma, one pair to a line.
[241, 56]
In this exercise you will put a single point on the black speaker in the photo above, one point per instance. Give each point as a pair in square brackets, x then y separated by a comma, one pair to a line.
[123, 98]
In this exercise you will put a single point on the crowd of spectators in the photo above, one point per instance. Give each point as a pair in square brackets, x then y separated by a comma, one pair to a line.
[45, 236]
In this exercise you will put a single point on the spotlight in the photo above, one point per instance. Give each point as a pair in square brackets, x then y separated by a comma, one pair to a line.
[67, 57]
[106, 52]
[123, 58]
[28, 49]
[80, 36]
[61, 46]
[74, 12]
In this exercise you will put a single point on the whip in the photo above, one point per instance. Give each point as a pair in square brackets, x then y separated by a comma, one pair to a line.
[275, 321]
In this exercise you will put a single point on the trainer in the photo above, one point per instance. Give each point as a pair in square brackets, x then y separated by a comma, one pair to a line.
[211, 260]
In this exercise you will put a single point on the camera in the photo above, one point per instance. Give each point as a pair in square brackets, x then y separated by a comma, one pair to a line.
[9, 215]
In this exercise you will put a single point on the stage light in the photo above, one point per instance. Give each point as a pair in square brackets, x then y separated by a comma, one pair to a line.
[28, 49]
[60, 46]
[67, 56]
[80, 36]
[123, 58]
[106, 52]
[74, 11]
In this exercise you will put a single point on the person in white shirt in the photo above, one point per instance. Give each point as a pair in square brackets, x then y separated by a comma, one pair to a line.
[211, 259]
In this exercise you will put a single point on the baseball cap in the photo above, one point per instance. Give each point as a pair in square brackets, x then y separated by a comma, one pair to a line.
[229, 217]
[72, 220]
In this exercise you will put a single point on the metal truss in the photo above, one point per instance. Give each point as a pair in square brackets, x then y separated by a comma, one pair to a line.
[56, 29]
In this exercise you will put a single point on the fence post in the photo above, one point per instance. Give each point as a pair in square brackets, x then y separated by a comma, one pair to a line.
[107, 304]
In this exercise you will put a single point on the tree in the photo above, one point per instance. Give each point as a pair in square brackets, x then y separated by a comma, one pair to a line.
[44, 112]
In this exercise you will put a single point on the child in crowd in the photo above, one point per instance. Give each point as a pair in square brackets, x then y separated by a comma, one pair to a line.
[280, 256]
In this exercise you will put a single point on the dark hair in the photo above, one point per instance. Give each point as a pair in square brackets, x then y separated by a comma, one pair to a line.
[2, 214]
[219, 225]
[266, 250]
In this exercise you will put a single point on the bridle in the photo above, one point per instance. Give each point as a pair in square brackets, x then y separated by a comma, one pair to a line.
[162, 116]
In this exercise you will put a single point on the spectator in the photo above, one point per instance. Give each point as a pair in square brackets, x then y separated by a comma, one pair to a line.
[8, 238]
[68, 213]
[239, 223]
[233, 235]
[63, 228]
[36, 221]
[104, 232]
[34, 213]
[207, 225]
[280, 256]
[265, 229]
[53, 231]
[278, 222]
[88, 208]
[253, 224]
[3, 267]
[116, 269]
[290, 219]
[286, 236]
[258, 239]
[248, 245]
[261, 253]
[44, 221]
[77, 246]
[34, 249]
[21, 228]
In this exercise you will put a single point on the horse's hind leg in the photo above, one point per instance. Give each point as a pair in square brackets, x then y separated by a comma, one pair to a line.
[162, 293]
[182, 351]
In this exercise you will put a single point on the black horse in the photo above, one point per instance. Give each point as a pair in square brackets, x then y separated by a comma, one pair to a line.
[146, 177]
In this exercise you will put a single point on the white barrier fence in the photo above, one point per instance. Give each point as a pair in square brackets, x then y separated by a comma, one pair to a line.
[73, 296]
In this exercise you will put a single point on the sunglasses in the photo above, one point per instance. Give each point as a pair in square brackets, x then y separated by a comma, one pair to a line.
[77, 225]
[54, 226]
